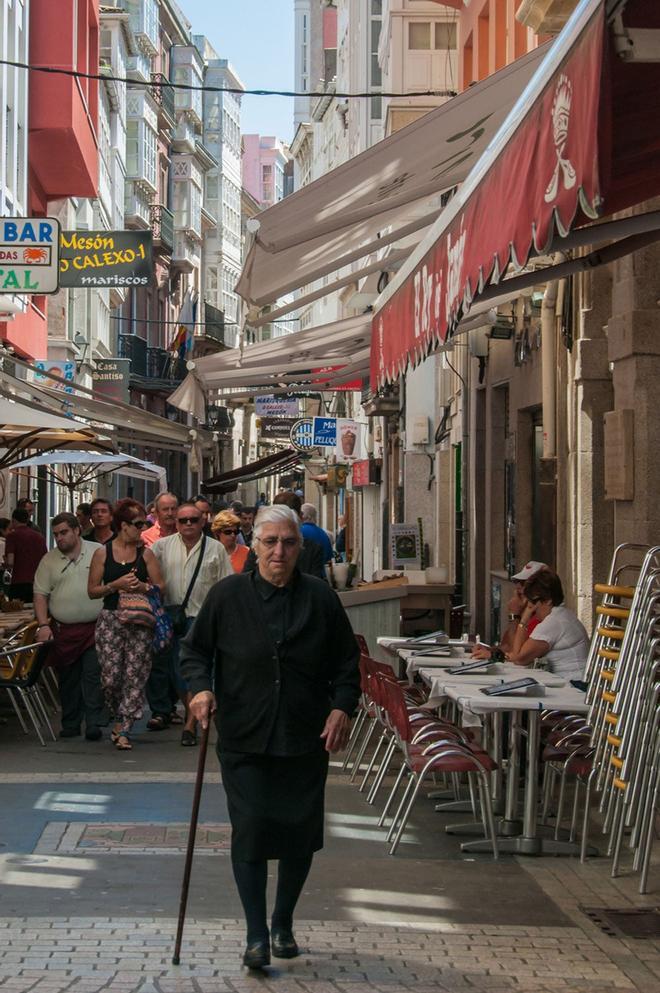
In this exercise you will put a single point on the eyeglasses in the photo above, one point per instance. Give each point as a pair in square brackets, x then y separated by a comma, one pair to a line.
[138, 523]
[228, 530]
[288, 543]
[188, 520]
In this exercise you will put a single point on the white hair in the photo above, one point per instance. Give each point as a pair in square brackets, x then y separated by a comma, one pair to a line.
[277, 514]
[308, 512]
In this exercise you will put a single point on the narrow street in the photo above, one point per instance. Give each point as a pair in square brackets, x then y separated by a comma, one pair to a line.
[91, 864]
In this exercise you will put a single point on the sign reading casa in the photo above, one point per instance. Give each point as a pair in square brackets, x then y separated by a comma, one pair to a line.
[29, 255]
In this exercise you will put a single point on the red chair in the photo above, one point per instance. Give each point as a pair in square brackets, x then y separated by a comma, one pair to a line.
[442, 755]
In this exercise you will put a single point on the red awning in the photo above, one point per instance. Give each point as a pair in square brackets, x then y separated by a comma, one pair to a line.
[581, 143]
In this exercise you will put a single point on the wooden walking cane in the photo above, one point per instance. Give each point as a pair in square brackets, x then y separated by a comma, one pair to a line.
[192, 831]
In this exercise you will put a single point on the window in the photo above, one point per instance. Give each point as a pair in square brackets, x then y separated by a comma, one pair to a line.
[445, 35]
[419, 35]
[425, 35]
[375, 73]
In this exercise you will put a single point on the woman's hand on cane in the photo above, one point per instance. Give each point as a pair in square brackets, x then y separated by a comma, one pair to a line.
[336, 731]
[202, 706]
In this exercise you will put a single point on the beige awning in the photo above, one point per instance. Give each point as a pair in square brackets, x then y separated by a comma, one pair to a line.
[131, 424]
[25, 427]
[386, 191]
[318, 358]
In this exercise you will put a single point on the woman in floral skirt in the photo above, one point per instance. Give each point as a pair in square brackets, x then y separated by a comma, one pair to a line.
[124, 648]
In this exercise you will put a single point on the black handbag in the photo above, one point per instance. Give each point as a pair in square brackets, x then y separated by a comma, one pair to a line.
[178, 611]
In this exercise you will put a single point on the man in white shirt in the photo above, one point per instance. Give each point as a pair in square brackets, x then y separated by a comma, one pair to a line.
[179, 556]
[67, 616]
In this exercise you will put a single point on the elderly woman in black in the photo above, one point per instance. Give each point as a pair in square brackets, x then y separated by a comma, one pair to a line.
[279, 651]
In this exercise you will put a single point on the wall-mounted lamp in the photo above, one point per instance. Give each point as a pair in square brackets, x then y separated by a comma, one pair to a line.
[81, 343]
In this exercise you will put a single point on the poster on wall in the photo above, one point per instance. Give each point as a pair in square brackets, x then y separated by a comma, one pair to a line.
[405, 546]
[349, 439]
[65, 370]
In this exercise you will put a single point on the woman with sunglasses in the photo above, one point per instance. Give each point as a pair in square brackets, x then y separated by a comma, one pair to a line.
[558, 637]
[124, 649]
[226, 526]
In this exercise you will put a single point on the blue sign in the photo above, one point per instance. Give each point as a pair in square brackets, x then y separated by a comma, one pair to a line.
[325, 431]
[301, 434]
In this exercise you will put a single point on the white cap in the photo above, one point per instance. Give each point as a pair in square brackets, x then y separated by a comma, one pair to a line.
[528, 571]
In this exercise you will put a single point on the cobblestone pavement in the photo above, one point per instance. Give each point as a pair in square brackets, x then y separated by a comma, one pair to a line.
[84, 955]
[106, 846]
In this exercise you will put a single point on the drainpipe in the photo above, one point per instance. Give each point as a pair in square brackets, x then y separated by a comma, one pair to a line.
[549, 369]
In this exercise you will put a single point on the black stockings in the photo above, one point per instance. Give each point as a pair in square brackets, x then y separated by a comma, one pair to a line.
[251, 879]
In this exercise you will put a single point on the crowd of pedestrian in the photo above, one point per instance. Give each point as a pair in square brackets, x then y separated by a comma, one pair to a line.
[93, 596]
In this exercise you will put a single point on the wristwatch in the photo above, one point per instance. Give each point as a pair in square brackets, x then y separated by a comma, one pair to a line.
[514, 617]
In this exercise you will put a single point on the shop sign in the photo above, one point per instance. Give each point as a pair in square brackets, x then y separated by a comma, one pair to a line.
[349, 439]
[325, 432]
[361, 473]
[272, 406]
[29, 255]
[110, 379]
[406, 546]
[65, 370]
[276, 427]
[301, 434]
[106, 258]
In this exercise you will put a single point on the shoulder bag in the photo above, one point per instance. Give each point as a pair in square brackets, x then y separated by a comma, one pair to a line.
[178, 612]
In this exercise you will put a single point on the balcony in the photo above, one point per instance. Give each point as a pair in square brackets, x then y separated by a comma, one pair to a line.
[185, 252]
[162, 225]
[165, 369]
[143, 15]
[183, 138]
[215, 331]
[164, 97]
[137, 208]
[133, 347]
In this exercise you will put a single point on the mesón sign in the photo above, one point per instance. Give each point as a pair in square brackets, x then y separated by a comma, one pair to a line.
[106, 258]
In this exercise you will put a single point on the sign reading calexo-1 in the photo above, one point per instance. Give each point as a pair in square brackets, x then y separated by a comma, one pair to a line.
[106, 258]
[29, 254]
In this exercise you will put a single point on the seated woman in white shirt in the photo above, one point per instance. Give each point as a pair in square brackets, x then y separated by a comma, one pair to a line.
[559, 637]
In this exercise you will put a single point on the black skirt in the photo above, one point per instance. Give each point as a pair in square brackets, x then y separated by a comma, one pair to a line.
[275, 804]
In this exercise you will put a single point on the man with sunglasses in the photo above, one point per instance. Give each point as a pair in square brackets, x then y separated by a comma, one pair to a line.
[191, 564]
[67, 616]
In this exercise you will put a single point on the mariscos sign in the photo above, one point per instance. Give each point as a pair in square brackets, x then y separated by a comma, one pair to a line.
[105, 258]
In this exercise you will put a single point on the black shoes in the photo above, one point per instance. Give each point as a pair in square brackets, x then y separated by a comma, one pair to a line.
[284, 945]
[93, 734]
[257, 955]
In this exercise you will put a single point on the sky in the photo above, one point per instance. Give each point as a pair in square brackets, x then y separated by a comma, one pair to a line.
[257, 38]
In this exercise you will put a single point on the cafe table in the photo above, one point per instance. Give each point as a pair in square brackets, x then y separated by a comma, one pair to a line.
[474, 703]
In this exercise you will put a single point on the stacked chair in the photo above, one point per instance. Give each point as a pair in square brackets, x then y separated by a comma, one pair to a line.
[614, 751]
[21, 668]
[424, 745]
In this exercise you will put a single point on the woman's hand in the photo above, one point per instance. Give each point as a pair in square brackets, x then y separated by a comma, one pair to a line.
[336, 731]
[202, 706]
[481, 652]
[129, 583]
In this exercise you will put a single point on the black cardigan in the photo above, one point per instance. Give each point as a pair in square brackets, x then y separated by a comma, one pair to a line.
[314, 670]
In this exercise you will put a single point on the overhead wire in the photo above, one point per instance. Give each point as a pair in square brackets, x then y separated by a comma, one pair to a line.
[204, 88]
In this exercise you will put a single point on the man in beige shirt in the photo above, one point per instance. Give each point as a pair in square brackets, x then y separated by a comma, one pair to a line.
[67, 617]
[178, 556]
